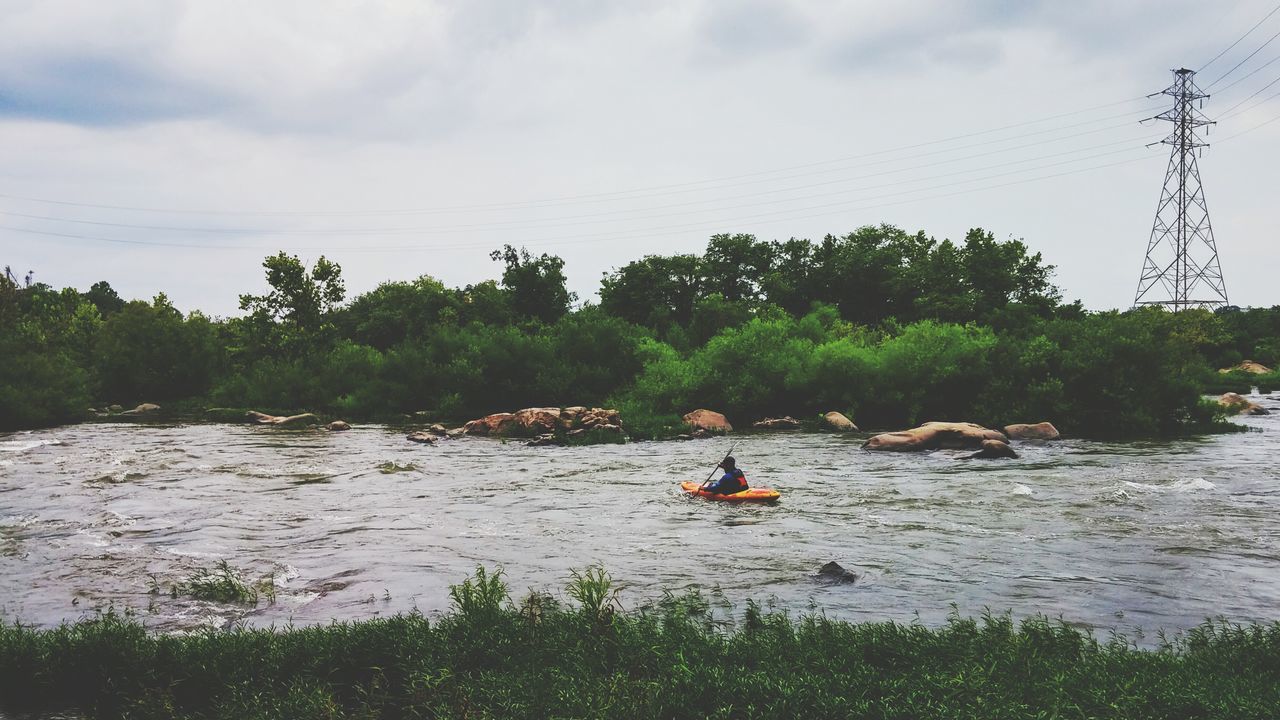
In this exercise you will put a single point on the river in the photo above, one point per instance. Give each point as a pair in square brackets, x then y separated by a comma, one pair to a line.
[1135, 537]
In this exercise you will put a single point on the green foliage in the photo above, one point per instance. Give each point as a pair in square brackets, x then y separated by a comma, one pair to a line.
[148, 350]
[892, 327]
[480, 597]
[221, 584]
[536, 285]
[295, 316]
[543, 660]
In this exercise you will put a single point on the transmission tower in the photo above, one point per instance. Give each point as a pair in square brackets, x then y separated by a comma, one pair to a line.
[1181, 269]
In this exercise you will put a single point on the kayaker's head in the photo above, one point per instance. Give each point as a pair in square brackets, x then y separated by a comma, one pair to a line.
[729, 463]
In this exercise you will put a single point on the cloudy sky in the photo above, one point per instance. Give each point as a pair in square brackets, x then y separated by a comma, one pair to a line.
[169, 145]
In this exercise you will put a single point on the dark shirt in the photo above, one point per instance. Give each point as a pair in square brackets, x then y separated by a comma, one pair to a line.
[732, 481]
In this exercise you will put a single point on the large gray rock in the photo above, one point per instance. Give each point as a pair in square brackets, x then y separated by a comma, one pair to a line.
[1236, 404]
[1038, 431]
[934, 436]
[707, 421]
[838, 422]
[142, 409]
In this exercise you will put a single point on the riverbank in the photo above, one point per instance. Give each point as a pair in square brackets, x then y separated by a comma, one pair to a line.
[583, 657]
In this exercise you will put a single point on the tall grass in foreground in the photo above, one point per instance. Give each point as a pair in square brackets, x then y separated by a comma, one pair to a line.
[543, 658]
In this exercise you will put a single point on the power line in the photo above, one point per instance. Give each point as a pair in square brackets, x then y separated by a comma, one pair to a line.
[586, 219]
[615, 196]
[1247, 75]
[1246, 132]
[1228, 114]
[1241, 38]
[642, 233]
[1247, 58]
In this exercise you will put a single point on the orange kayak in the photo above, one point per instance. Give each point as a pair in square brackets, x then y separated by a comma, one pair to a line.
[749, 495]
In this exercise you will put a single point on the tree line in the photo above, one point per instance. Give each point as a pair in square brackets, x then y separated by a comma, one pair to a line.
[890, 327]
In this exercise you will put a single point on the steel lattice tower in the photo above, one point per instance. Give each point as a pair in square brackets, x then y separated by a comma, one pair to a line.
[1181, 268]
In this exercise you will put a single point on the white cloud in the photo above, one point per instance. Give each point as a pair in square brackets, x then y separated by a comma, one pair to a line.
[394, 105]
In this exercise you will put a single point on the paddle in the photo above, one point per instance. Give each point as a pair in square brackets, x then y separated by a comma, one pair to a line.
[717, 467]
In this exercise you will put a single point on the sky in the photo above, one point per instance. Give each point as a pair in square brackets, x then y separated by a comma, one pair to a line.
[170, 145]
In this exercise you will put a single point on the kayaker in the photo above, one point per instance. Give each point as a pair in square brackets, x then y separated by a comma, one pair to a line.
[733, 481]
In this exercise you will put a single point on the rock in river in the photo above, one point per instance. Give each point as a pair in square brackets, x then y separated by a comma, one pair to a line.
[142, 409]
[834, 574]
[707, 421]
[1038, 431]
[1236, 404]
[838, 422]
[1248, 366]
[934, 436]
[338, 425]
[258, 418]
[993, 450]
[495, 424]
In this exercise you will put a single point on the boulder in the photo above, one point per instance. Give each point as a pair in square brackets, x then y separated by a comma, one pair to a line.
[1236, 404]
[708, 421]
[338, 425]
[438, 429]
[532, 422]
[424, 437]
[495, 424]
[1248, 366]
[257, 418]
[933, 436]
[838, 422]
[783, 423]
[1038, 431]
[590, 418]
[991, 450]
[833, 574]
[115, 408]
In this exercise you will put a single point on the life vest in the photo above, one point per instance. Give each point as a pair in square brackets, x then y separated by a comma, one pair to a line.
[738, 477]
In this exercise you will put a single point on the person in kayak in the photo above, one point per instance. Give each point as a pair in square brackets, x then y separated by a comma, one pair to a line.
[733, 480]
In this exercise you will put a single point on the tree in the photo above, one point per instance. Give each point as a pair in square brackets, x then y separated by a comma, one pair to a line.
[657, 291]
[294, 316]
[397, 311]
[104, 297]
[536, 285]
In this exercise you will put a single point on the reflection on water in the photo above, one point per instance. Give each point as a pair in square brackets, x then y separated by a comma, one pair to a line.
[356, 524]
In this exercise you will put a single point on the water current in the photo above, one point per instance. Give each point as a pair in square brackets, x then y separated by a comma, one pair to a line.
[1135, 537]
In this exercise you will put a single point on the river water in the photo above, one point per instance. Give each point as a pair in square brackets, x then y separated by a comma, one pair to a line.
[1135, 537]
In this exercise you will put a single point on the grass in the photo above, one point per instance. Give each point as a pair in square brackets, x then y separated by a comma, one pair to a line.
[489, 658]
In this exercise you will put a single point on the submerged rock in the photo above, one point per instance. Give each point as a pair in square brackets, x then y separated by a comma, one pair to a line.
[545, 440]
[783, 423]
[1038, 431]
[834, 574]
[934, 436]
[838, 422]
[993, 450]
[422, 436]
[257, 418]
[708, 421]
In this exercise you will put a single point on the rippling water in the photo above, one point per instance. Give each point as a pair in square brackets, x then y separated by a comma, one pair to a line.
[348, 525]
